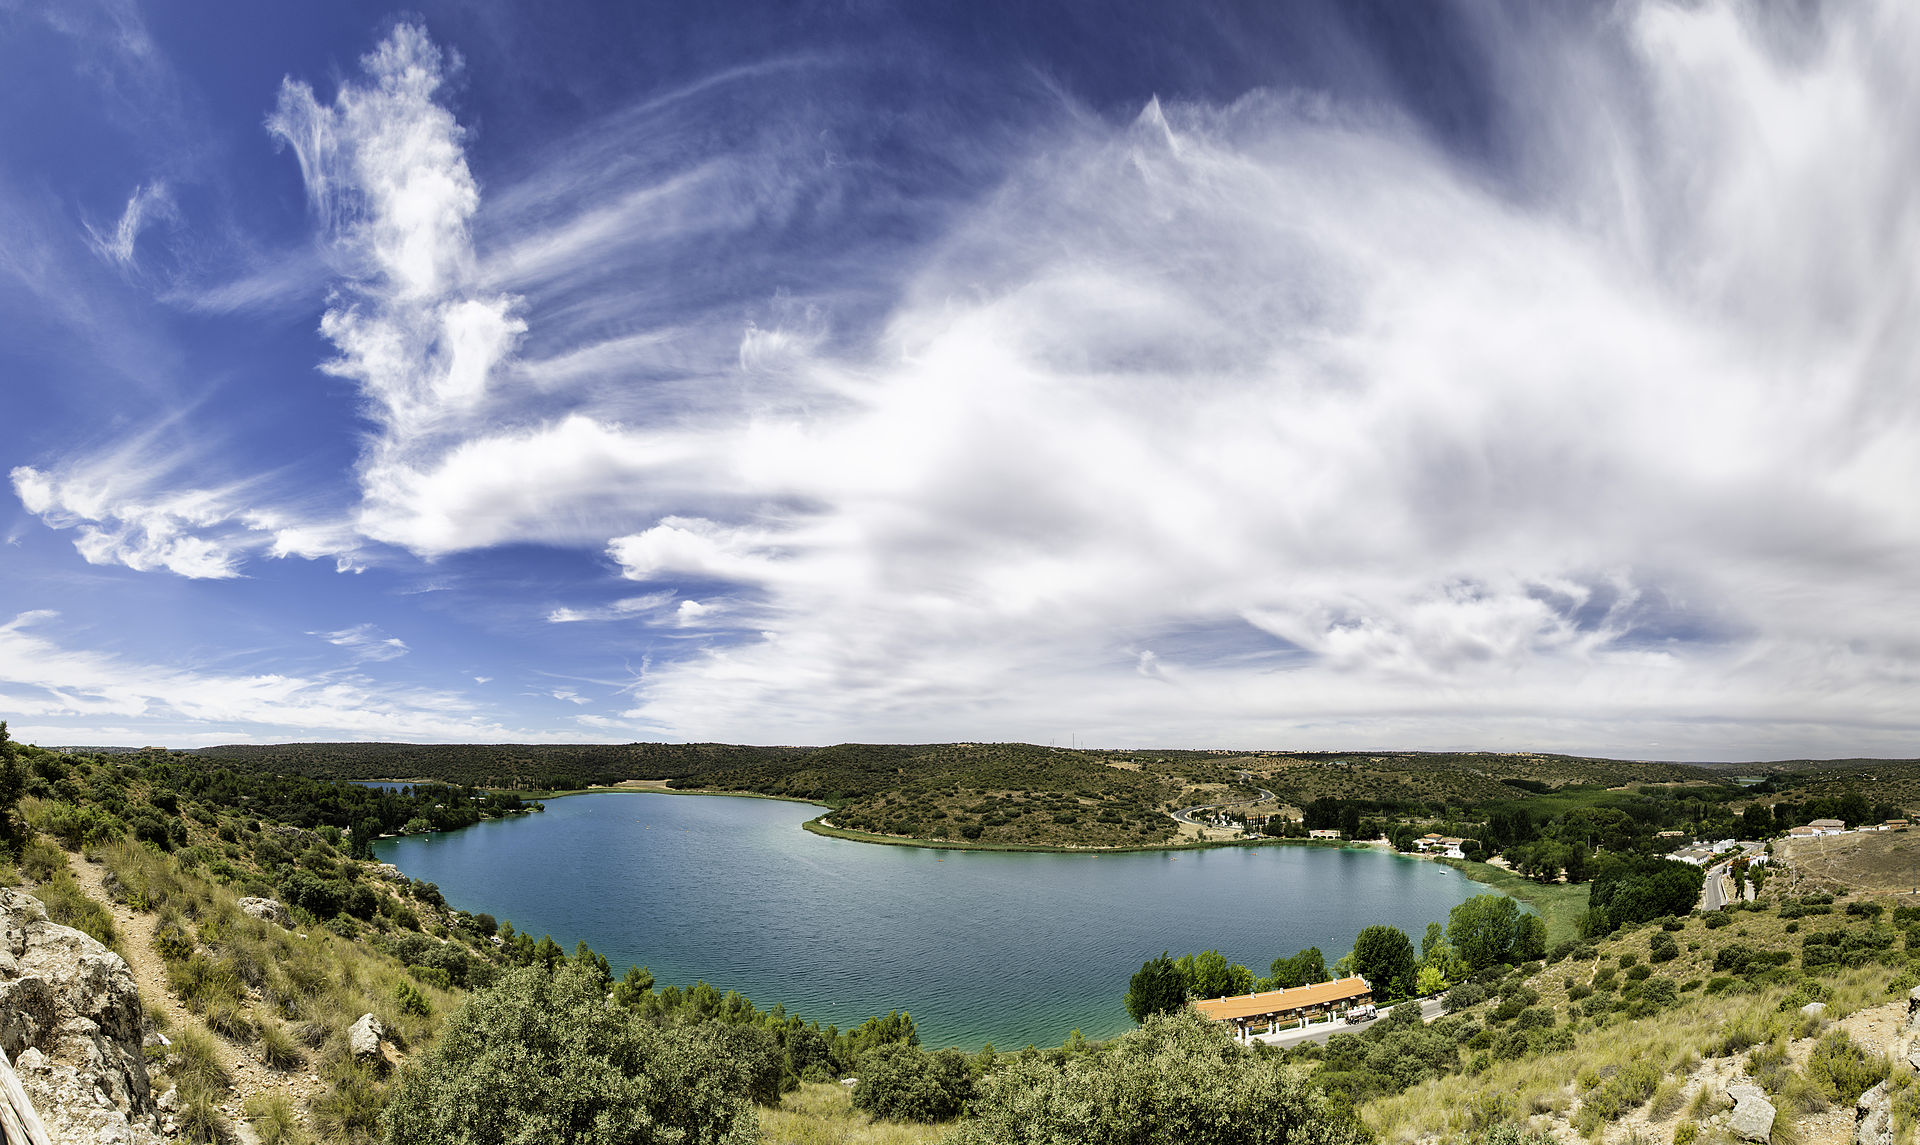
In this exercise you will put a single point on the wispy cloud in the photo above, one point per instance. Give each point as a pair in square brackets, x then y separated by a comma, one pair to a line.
[150, 201]
[628, 608]
[1272, 422]
[48, 680]
[366, 642]
[132, 506]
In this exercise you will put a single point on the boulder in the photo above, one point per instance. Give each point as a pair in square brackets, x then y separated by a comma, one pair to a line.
[1817, 1010]
[363, 1037]
[1913, 1008]
[1873, 1117]
[1752, 1116]
[70, 1019]
[267, 910]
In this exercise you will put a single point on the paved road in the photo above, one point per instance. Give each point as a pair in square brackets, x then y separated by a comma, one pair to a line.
[1430, 1008]
[1185, 814]
[1713, 895]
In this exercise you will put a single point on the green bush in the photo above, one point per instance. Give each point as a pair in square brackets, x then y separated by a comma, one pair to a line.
[541, 1057]
[1178, 1078]
[77, 827]
[906, 1083]
[1842, 1070]
[68, 905]
[1628, 1089]
[40, 859]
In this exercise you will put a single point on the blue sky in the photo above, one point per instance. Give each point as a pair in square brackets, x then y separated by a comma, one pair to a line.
[1314, 375]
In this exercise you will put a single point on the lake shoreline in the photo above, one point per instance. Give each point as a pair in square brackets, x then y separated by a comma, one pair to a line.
[818, 827]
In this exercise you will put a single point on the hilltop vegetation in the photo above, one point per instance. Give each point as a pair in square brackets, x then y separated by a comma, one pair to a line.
[1024, 795]
[1633, 1028]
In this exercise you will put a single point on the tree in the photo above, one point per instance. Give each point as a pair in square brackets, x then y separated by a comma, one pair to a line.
[1177, 1079]
[364, 833]
[541, 1057]
[1530, 943]
[1209, 975]
[1631, 888]
[1756, 822]
[1429, 981]
[1302, 969]
[632, 990]
[1158, 988]
[1483, 930]
[12, 785]
[1383, 955]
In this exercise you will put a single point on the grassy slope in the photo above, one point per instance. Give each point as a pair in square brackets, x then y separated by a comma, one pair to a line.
[1674, 1040]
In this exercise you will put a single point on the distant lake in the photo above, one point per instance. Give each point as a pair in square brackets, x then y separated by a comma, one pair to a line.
[979, 946]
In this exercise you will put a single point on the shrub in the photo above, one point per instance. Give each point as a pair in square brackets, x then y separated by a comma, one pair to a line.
[278, 1048]
[1176, 1078]
[40, 858]
[1628, 1089]
[905, 1083]
[1842, 1070]
[68, 905]
[77, 827]
[579, 1071]
[411, 1000]
[274, 1121]
[1717, 920]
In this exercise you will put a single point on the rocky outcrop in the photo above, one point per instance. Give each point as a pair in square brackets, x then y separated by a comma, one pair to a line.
[1873, 1117]
[267, 910]
[363, 1037]
[1752, 1116]
[1913, 1010]
[70, 1021]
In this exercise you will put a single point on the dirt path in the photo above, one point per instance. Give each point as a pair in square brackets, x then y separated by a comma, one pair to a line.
[250, 1076]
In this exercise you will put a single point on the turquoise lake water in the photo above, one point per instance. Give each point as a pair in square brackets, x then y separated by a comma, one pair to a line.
[978, 946]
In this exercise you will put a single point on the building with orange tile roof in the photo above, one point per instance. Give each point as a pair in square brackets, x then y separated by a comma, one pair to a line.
[1268, 1010]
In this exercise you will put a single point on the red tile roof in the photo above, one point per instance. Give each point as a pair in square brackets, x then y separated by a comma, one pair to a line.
[1281, 1001]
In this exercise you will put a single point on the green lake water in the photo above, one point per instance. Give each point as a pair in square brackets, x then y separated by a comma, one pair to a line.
[978, 946]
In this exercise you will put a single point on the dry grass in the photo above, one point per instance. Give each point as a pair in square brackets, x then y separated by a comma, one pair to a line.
[1617, 1064]
[823, 1114]
[1882, 863]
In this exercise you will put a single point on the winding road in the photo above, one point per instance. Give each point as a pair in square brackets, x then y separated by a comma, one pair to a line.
[1185, 814]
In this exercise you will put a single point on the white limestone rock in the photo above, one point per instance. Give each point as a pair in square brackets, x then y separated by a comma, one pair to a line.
[1873, 1117]
[1752, 1116]
[363, 1037]
[267, 910]
[70, 1018]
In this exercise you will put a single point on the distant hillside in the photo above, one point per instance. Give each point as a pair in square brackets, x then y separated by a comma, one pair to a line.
[545, 767]
[1022, 794]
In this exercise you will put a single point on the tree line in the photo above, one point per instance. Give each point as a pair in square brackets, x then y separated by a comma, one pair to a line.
[1485, 931]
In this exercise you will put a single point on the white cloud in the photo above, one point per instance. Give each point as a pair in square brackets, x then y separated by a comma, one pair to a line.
[1471, 465]
[1265, 423]
[387, 176]
[150, 201]
[366, 642]
[82, 692]
[625, 608]
[130, 506]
